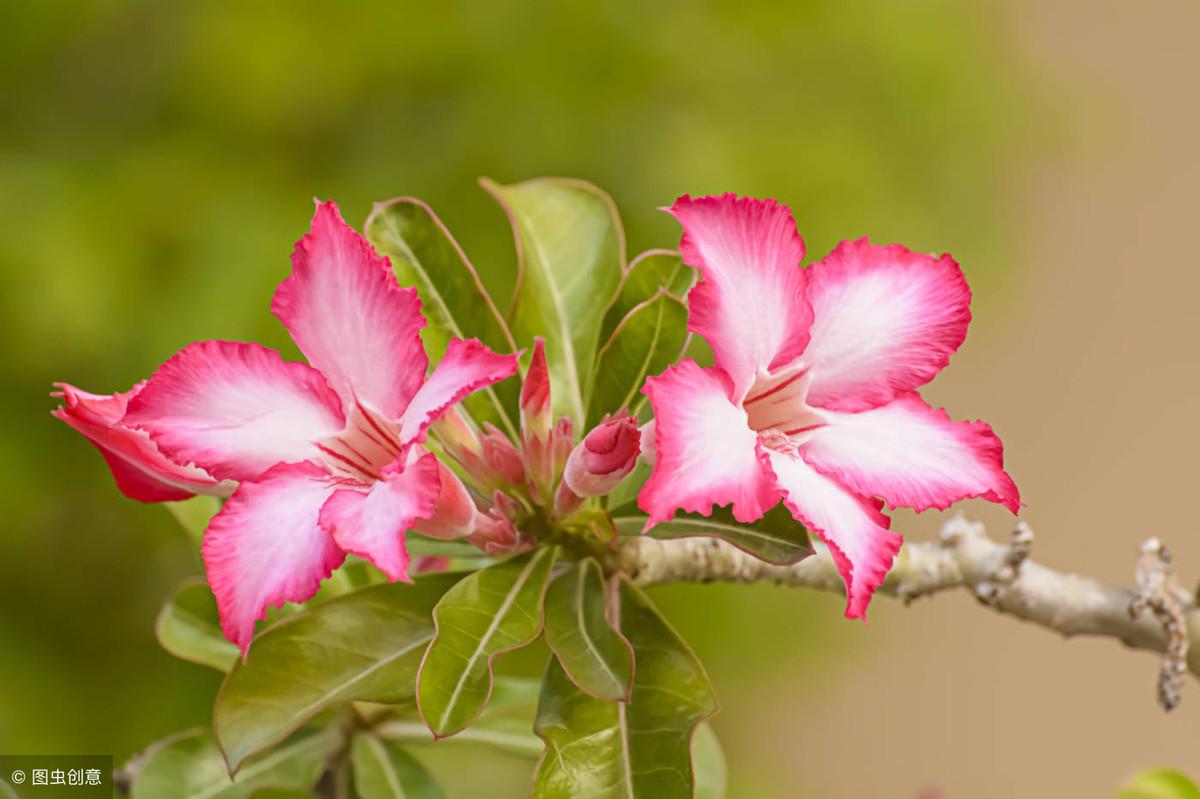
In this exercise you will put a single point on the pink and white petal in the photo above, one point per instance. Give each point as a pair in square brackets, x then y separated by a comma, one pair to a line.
[350, 318]
[750, 306]
[235, 409]
[705, 452]
[885, 321]
[140, 470]
[912, 455]
[853, 528]
[467, 366]
[372, 524]
[267, 547]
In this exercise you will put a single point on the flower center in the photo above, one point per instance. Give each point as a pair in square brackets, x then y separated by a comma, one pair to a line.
[367, 444]
[777, 409]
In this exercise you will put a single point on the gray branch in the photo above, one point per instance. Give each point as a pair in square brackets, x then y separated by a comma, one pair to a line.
[1157, 616]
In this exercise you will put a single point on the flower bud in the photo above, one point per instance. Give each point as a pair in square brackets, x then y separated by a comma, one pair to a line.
[502, 457]
[604, 458]
[494, 534]
[454, 511]
[535, 394]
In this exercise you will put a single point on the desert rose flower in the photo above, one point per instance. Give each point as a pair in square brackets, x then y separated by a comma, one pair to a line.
[327, 456]
[812, 400]
[139, 468]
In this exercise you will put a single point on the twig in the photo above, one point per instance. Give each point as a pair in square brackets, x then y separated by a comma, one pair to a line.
[1001, 577]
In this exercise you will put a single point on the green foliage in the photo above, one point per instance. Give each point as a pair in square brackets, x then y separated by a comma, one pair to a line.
[190, 766]
[383, 770]
[490, 611]
[455, 303]
[596, 657]
[571, 253]
[188, 627]
[645, 342]
[776, 538]
[602, 749]
[708, 762]
[1160, 784]
[365, 646]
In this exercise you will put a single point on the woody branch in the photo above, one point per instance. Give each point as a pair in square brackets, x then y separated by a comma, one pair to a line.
[1157, 615]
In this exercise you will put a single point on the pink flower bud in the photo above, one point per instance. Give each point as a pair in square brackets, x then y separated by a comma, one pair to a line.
[494, 534]
[535, 393]
[604, 458]
[454, 511]
[502, 457]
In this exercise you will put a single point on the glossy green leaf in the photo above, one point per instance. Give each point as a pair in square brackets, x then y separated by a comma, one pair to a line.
[383, 770]
[570, 254]
[454, 301]
[1160, 784]
[775, 538]
[596, 657]
[363, 646]
[648, 274]
[190, 766]
[505, 725]
[193, 514]
[648, 340]
[613, 750]
[188, 627]
[708, 761]
[490, 611]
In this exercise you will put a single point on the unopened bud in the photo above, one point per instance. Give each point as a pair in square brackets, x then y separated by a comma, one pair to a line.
[535, 394]
[454, 512]
[502, 457]
[604, 458]
[494, 534]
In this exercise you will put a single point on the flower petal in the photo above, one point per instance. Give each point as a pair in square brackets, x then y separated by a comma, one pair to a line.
[372, 524]
[350, 318]
[266, 547]
[705, 452]
[912, 455]
[141, 471]
[750, 306]
[235, 409]
[853, 528]
[467, 366]
[885, 321]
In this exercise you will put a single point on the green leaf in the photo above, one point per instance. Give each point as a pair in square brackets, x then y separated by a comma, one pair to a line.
[505, 724]
[190, 766]
[775, 538]
[596, 657]
[194, 514]
[490, 611]
[610, 750]
[708, 760]
[648, 273]
[364, 646]
[649, 339]
[570, 251]
[383, 770]
[1160, 784]
[454, 301]
[188, 627]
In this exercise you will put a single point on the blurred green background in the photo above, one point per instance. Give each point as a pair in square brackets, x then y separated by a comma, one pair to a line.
[158, 160]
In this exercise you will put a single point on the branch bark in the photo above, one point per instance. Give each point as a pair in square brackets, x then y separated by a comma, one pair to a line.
[1157, 616]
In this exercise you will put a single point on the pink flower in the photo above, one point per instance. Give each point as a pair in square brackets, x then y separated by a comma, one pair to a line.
[140, 470]
[813, 399]
[327, 456]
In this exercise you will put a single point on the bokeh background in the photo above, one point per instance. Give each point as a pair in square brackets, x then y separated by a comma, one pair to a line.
[157, 160]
